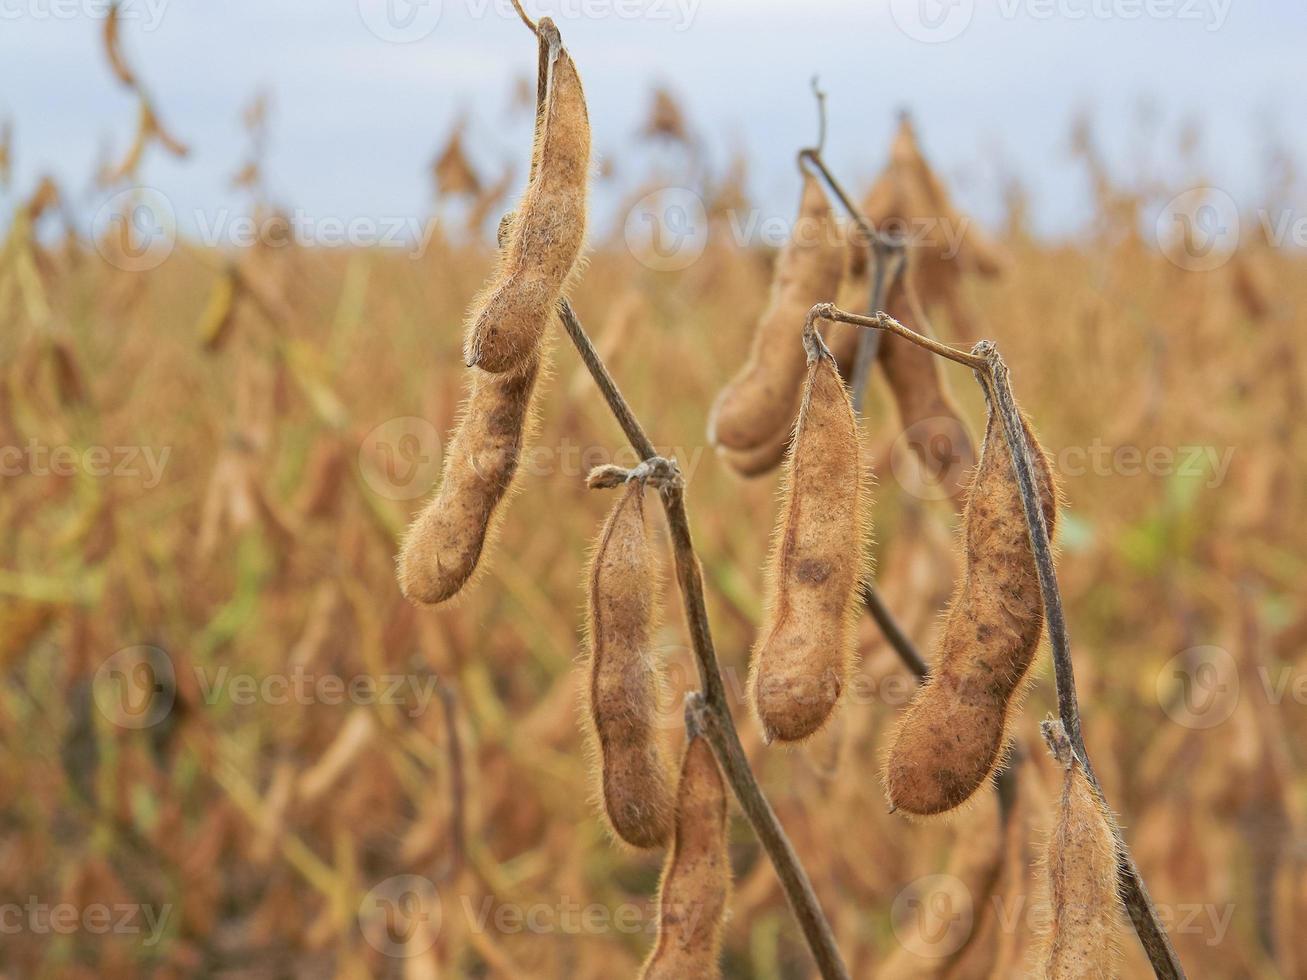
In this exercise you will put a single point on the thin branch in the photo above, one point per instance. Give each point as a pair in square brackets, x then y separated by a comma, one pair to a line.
[821, 116]
[883, 321]
[811, 156]
[713, 714]
[993, 378]
[883, 280]
[517, 5]
[894, 634]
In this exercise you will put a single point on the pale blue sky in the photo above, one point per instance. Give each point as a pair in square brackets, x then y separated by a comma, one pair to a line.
[357, 117]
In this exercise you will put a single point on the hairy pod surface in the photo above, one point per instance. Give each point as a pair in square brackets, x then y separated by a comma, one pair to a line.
[697, 877]
[802, 658]
[928, 416]
[1082, 941]
[544, 242]
[635, 773]
[950, 738]
[444, 543]
[759, 401]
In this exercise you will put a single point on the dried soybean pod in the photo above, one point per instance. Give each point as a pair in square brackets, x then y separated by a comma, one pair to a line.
[444, 543]
[545, 240]
[1084, 928]
[762, 460]
[635, 773]
[802, 657]
[697, 877]
[950, 738]
[842, 339]
[758, 401]
[927, 414]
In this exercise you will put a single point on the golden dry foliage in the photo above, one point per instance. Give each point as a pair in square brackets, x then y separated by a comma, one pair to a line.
[760, 401]
[545, 240]
[113, 48]
[909, 192]
[635, 773]
[1083, 935]
[951, 737]
[950, 927]
[696, 880]
[214, 327]
[453, 171]
[149, 128]
[442, 547]
[666, 119]
[805, 647]
[260, 547]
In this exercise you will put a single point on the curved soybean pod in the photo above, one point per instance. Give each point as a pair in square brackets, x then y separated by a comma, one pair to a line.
[950, 738]
[443, 545]
[697, 877]
[543, 245]
[635, 773]
[801, 661]
[1082, 936]
[759, 401]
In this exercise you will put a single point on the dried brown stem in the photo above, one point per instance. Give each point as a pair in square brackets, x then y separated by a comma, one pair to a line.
[517, 5]
[992, 373]
[890, 267]
[711, 711]
[883, 321]
[993, 378]
[893, 633]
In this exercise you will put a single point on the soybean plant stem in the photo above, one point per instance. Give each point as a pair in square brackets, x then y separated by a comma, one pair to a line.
[993, 377]
[883, 279]
[711, 709]
[899, 640]
[992, 373]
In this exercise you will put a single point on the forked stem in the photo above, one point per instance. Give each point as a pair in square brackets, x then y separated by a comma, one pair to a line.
[710, 709]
